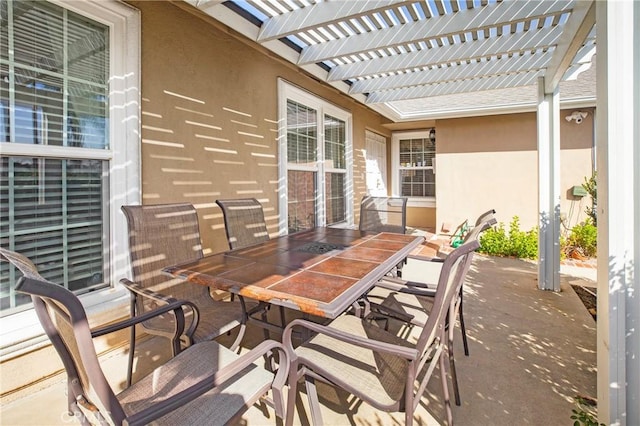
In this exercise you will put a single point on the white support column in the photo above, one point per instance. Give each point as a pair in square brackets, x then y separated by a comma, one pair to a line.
[618, 149]
[548, 188]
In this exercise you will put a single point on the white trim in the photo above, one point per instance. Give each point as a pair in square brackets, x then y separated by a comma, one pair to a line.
[288, 91]
[21, 332]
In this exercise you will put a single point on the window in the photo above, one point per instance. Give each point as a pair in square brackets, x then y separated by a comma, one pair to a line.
[68, 135]
[315, 161]
[414, 164]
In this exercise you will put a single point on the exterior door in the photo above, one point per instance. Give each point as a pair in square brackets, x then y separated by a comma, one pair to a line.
[376, 164]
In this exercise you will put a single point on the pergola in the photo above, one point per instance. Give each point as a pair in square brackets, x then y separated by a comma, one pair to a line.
[396, 56]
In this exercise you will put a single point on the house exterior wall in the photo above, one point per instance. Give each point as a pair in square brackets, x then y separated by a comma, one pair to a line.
[209, 118]
[209, 129]
[491, 162]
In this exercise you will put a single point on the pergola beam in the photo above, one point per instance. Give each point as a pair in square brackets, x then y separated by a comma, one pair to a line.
[502, 45]
[319, 14]
[576, 30]
[493, 15]
[452, 87]
[494, 67]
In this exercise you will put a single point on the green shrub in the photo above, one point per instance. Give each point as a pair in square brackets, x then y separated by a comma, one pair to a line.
[583, 237]
[591, 186]
[524, 244]
[521, 244]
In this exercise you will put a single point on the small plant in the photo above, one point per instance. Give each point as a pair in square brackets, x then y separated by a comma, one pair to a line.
[590, 185]
[584, 415]
[582, 241]
[521, 244]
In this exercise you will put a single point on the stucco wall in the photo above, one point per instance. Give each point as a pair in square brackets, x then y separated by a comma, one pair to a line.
[491, 162]
[209, 117]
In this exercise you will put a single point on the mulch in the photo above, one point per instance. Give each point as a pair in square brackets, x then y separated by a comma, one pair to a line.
[589, 298]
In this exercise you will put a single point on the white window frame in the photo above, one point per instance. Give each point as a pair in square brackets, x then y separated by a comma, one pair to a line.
[21, 332]
[395, 168]
[287, 91]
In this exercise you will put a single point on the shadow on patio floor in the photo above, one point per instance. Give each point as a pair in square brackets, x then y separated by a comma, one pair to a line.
[531, 353]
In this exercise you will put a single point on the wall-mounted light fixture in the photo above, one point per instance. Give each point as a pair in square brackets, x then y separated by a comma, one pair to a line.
[577, 116]
[432, 135]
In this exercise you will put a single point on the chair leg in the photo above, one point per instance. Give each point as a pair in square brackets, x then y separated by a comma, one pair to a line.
[314, 403]
[445, 389]
[463, 329]
[283, 320]
[132, 349]
[236, 343]
[454, 375]
[292, 394]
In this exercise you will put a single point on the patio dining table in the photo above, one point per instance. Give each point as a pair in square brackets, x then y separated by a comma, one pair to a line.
[321, 271]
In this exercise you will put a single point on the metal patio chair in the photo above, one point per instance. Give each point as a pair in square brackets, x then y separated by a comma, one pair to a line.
[376, 366]
[383, 214]
[163, 235]
[483, 222]
[244, 222]
[412, 302]
[204, 384]
[245, 226]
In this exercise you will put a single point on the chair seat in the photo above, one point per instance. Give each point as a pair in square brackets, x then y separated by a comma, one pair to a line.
[377, 373]
[216, 316]
[200, 360]
[418, 307]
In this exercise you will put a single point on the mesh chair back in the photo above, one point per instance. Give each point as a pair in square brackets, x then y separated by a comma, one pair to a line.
[383, 214]
[452, 275]
[244, 222]
[65, 322]
[159, 236]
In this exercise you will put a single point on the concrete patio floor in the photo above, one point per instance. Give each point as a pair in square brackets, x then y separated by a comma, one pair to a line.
[531, 354]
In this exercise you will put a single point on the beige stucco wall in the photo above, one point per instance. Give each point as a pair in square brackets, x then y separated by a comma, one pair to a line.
[209, 131]
[209, 117]
[491, 162]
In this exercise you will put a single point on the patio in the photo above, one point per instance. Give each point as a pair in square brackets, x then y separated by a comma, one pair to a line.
[532, 353]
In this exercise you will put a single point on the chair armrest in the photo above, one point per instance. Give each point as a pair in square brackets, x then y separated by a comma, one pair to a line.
[410, 354]
[145, 292]
[175, 306]
[427, 289]
[137, 290]
[385, 311]
[217, 379]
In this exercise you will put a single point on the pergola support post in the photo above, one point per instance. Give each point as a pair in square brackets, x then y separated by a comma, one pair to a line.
[548, 188]
[618, 163]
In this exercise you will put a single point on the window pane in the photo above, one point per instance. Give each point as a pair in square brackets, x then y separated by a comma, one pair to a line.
[418, 183]
[59, 62]
[336, 200]
[334, 142]
[302, 140]
[301, 200]
[52, 212]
